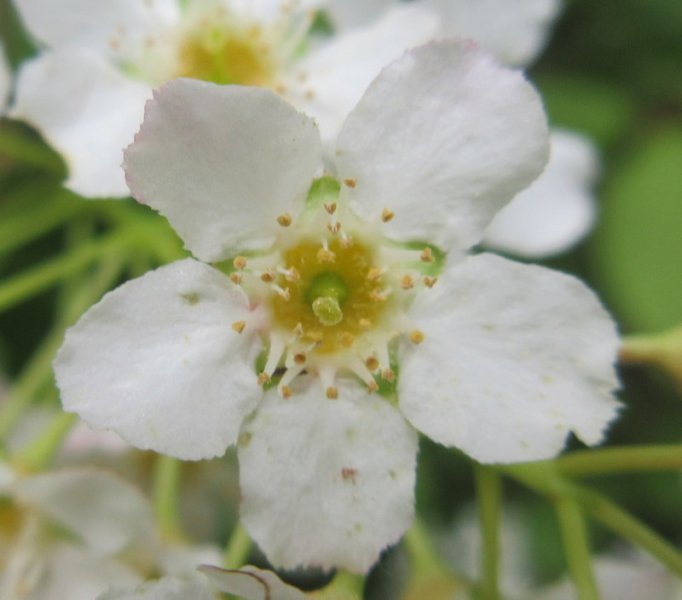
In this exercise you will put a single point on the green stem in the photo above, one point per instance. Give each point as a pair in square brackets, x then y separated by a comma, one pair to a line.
[621, 460]
[237, 549]
[423, 557]
[344, 586]
[39, 278]
[40, 453]
[489, 496]
[576, 545]
[167, 476]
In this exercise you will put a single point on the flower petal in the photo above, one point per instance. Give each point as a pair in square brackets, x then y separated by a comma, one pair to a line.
[326, 482]
[251, 583]
[87, 110]
[356, 13]
[514, 357]
[515, 32]
[104, 28]
[157, 361]
[557, 210]
[222, 163]
[167, 588]
[337, 74]
[444, 137]
[101, 509]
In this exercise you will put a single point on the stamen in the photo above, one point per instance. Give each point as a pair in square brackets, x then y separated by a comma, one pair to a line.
[330, 207]
[407, 282]
[426, 255]
[298, 330]
[239, 326]
[365, 323]
[372, 363]
[334, 228]
[285, 392]
[324, 255]
[347, 339]
[416, 336]
[387, 215]
[346, 240]
[379, 295]
[300, 358]
[351, 183]
[372, 387]
[277, 345]
[429, 282]
[239, 262]
[236, 278]
[374, 273]
[332, 393]
[268, 276]
[291, 274]
[284, 220]
[388, 374]
[263, 378]
[281, 292]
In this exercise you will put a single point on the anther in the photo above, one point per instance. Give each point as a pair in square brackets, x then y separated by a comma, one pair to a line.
[284, 293]
[388, 374]
[324, 255]
[351, 183]
[429, 282]
[416, 336]
[239, 262]
[263, 378]
[426, 255]
[346, 240]
[239, 326]
[236, 278]
[291, 274]
[284, 220]
[372, 363]
[299, 358]
[407, 283]
[330, 207]
[365, 323]
[379, 295]
[374, 274]
[372, 387]
[334, 228]
[268, 276]
[286, 392]
[298, 330]
[332, 393]
[347, 339]
[387, 215]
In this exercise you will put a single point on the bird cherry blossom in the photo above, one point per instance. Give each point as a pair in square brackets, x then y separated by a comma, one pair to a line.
[342, 313]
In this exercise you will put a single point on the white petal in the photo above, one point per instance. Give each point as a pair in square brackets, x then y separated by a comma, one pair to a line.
[75, 574]
[557, 210]
[337, 75]
[157, 361]
[443, 137]
[101, 509]
[5, 80]
[222, 163]
[86, 109]
[514, 31]
[356, 13]
[326, 482]
[514, 357]
[251, 583]
[109, 27]
[168, 588]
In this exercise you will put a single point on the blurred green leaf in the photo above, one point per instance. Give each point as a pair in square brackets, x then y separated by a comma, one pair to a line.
[638, 245]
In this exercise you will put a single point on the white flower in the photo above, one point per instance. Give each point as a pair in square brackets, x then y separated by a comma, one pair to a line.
[499, 359]
[86, 91]
[5, 80]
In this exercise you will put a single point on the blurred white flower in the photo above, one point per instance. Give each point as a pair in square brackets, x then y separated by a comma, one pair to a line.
[499, 359]
[5, 80]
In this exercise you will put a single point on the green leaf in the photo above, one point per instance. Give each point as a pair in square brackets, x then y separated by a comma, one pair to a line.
[638, 245]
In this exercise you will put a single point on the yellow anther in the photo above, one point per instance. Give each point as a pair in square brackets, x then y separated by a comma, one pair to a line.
[365, 323]
[372, 363]
[330, 207]
[372, 387]
[299, 358]
[332, 393]
[315, 335]
[286, 392]
[346, 241]
[284, 220]
[298, 330]
[388, 375]
[351, 183]
[407, 283]
[239, 326]
[263, 378]
[416, 336]
[284, 293]
[239, 262]
[429, 282]
[426, 255]
[386, 215]
[325, 255]
[290, 274]
[236, 278]
[347, 339]
[374, 274]
[268, 276]
[379, 295]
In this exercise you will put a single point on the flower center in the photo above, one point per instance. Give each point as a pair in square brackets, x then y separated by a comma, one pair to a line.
[227, 55]
[335, 297]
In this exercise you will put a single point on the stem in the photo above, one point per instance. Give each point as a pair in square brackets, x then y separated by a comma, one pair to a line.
[621, 460]
[45, 275]
[576, 544]
[344, 586]
[167, 475]
[39, 454]
[489, 495]
[238, 548]
[424, 559]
